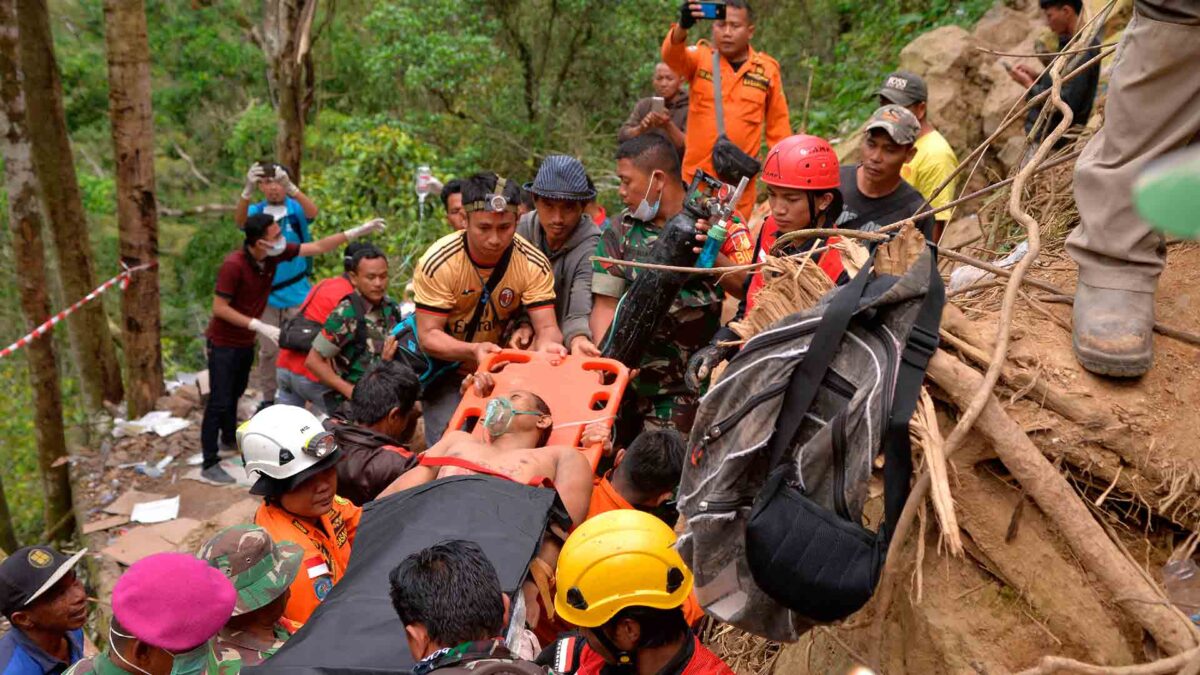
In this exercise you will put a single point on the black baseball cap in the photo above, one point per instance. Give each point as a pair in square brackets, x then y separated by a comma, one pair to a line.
[904, 88]
[29, 573]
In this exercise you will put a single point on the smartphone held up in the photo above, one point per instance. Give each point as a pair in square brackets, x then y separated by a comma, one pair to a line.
[712, 11]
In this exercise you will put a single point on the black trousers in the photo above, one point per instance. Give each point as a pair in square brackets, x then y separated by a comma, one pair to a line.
[228, 374]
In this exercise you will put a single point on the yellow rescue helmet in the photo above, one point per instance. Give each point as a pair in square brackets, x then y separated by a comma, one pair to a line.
[619, 559]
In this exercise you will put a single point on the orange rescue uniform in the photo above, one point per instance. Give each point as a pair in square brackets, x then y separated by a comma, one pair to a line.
[605, 498]
[753, 98]
[326, 547]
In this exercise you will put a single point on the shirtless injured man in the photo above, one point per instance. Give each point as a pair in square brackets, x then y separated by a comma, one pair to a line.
[517, 427]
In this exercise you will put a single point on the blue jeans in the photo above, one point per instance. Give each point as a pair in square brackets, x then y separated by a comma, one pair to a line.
[293, 389]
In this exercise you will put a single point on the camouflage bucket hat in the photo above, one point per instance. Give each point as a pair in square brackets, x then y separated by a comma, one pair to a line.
[260, 569]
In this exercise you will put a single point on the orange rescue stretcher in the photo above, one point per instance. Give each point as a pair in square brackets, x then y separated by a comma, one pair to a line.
[579, 390]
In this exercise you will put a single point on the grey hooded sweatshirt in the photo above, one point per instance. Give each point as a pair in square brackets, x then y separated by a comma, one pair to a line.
[572, 272]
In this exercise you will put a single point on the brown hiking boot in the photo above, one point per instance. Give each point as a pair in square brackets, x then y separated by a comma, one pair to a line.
[1114, 331]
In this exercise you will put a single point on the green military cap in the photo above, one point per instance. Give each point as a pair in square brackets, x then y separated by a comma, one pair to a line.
[260, 569]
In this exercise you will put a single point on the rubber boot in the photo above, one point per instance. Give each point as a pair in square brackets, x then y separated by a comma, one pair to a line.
[1114, 331]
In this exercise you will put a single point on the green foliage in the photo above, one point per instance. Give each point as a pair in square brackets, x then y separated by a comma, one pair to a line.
[253, 135]
[461, 85]
[368, 170]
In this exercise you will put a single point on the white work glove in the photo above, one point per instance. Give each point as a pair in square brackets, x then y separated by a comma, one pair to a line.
[255, 174]
[370, 227]
[283, 179]
[266, 330]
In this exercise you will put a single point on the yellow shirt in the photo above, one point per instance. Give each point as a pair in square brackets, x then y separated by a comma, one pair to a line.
[934, 161]
[448, 283]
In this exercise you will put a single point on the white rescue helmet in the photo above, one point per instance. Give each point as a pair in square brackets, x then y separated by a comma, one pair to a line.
[284, 445]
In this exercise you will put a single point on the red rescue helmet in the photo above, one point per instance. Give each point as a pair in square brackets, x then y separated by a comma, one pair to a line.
[803, 162]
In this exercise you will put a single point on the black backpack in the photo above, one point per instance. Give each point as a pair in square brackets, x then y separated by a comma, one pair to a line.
[782, 452]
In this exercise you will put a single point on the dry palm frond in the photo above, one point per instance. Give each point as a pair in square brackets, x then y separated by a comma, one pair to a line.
[897, 255]
[791, 286]
[745, 653]
[927, 436]
[854, 255]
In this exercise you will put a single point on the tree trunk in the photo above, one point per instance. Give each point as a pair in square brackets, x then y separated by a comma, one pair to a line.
[137, 213]
[285, 43]
[25, 221]
[91, 341]
[8, 536]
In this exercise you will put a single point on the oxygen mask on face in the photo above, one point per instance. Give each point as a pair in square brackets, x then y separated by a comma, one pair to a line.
[499, 416]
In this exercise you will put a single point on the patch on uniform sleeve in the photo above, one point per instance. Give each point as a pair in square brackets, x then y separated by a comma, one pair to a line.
[757, 81]
[322, 586]
[740, 248]
[340, 500]
[704, 74]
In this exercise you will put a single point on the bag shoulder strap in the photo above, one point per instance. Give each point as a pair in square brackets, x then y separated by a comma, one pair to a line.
[897, 446]
[807, 377]
[718, 93]
[360, 311]
[485, 298]
[312, 295]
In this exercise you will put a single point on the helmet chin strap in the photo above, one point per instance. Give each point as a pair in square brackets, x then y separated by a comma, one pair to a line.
[812, 209]
[625, 660]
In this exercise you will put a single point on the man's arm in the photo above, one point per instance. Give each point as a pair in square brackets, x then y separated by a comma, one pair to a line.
[241, 212]
[436, 342]
[633, 125]
[675, 51]
[547, 337]
[224, 311]
[678, 136]
[573, 482]
[322, 368]
[333, 241]
[734, 283]
[579, 294]
[306, 203]
[779, 126]
[324, 245]
[604, 309]
[421, 474]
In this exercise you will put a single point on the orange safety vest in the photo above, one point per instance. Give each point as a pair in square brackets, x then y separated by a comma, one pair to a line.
[574, 655]
[605, 498]
[326, 550]
[753, 98]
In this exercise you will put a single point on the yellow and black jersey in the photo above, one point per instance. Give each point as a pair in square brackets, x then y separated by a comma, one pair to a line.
[449, 283]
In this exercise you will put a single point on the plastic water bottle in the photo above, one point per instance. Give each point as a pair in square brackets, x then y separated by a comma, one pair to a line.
[1182, 581]
[716, 239]
[424, 187]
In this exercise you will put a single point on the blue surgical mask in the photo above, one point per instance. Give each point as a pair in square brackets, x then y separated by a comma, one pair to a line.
[646, 212]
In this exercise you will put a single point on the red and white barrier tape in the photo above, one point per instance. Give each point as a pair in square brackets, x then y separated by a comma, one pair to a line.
[48, 325]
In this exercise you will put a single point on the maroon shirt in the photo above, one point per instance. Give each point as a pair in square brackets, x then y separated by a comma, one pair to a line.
[246, 283]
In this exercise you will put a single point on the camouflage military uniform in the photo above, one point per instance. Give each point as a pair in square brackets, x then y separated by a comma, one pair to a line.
[338, 340]
[469, 656]
[205, 664]
[96, 665]
[261, 571]
[236, 649]
[662, 398]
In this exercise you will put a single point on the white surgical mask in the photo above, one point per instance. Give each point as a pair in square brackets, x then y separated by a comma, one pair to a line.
[646, 212]
[193, 662]
[277, 247]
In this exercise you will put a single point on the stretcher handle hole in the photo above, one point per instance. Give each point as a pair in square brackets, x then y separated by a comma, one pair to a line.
[600, 401]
